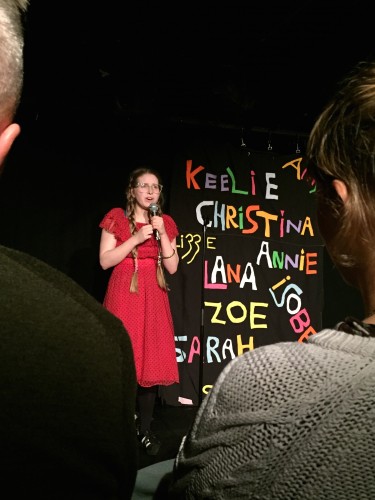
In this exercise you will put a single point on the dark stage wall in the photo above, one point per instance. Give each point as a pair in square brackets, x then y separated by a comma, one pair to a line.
[57, 186]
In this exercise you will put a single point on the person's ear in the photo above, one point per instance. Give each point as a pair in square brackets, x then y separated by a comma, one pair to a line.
[7, 137]
[341, 190]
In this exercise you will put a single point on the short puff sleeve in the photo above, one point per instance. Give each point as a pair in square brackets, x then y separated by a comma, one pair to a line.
[116, 223]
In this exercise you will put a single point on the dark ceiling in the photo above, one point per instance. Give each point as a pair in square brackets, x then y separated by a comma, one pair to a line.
[249, 65]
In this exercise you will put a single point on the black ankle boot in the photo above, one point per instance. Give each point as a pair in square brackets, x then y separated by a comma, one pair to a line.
[149, 442]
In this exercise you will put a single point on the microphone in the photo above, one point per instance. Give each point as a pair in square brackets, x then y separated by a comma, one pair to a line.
[154, 209]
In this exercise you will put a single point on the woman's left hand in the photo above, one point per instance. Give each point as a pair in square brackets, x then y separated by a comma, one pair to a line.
[157, 223]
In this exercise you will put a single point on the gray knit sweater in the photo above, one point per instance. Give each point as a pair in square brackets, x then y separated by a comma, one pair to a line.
[286, 421]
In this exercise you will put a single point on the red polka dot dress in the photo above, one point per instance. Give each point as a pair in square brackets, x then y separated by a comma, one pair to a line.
[146, 315]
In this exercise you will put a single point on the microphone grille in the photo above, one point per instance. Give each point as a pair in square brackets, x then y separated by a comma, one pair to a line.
[154, 208]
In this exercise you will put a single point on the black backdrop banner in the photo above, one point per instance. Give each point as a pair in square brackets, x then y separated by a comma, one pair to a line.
[251, 259]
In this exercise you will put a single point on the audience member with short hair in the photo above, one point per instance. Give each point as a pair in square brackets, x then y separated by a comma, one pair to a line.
[297, 420]
[67, 373]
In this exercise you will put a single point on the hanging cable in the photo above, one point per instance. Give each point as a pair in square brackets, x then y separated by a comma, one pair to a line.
[243, 145]
[297, 146]
[269, 142]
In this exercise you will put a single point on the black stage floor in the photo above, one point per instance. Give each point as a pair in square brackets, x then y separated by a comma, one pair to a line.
[170, 424]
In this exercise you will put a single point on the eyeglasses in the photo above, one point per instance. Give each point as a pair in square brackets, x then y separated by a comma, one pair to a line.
[146, 188]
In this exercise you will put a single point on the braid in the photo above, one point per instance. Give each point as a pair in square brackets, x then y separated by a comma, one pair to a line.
[133, 230]
[160, 275]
